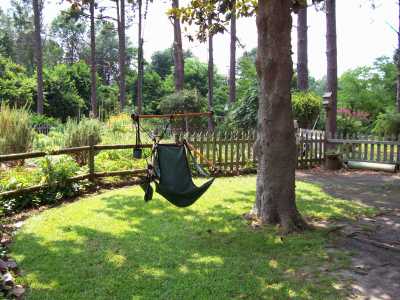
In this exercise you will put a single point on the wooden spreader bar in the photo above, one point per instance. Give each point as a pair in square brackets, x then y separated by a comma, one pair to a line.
[169, 116]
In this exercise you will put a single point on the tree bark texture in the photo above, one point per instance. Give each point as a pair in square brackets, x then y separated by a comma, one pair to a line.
[210, 94]
[122, 52]
[331, 55]
[139, 100]
[302, 50]
[275, 145]
[37, 11]
[232, 64]
[93, 96]
[178, 51]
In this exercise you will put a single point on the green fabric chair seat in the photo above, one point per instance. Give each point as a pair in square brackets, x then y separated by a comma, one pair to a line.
[175, 178]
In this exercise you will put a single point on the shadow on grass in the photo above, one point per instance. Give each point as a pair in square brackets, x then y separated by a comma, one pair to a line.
[376, 190]
[125, 249]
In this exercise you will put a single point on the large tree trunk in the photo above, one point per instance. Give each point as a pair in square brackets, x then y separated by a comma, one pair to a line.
[302, 50]
[398, 64]
[93, 98]
[37, 11]
[178, 51]
[275, 145]
[139, 100]
[331, 55]
[122, 52]
[210, 78]
[232, 64]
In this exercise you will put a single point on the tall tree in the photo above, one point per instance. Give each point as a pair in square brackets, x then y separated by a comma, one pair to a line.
[397, 60]
[139, 100]
[178, 51]
[122, 51]
[93, 67]
[302, 50]
[23, 32]
[210, 93]
[69, 28]
[331, 54]
[37, 12]
[77, 10]
[275, 145]
[232, 64]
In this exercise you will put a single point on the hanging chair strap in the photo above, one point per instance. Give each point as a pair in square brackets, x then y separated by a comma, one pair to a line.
[190, 149]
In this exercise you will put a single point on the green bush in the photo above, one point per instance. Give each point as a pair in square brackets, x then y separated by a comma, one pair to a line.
[53, 172]
[184, 101]
[348, 126]
[40, 120]
[387, 124]
[306, 107]
[16, 87]
[53, 140]
[78, 134]
[244, 115]
[16, 133]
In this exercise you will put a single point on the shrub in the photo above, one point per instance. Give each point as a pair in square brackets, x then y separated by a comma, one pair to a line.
[119, 124]
[53, 172]
[387, 124]
[16, 133]
[306, 107]
[184, 101]
[63, 97]
[16, 87]
[348, 125]
[40, 120]
[79, 133]
[244, 115]
[53, 140]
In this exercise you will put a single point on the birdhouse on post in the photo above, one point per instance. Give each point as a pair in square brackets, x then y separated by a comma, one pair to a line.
[327, 104]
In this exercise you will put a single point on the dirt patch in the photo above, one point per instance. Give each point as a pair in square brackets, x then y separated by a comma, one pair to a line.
[375, 242]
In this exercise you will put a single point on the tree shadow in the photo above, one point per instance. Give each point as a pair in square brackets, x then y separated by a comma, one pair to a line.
[378, 190]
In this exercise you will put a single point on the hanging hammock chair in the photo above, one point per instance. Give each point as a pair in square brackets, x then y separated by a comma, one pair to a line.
[170, 170]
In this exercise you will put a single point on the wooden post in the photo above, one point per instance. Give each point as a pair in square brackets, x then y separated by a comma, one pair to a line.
[91, 159]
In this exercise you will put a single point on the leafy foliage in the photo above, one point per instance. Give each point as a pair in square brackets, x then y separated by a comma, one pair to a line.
[370, 88]
[306, 107]
[387, 124]
[183, 101]
[69, 28]
[349, 126]
[162, 62]
[244, 115]
[38, 120]
[79, 134]
[52, 172]
[16, 133]
[16, 87]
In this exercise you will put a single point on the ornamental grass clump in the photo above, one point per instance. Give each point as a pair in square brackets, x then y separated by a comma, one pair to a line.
[16, 133]
[78, 134]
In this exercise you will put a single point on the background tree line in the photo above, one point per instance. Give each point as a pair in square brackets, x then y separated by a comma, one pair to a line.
[111, 75]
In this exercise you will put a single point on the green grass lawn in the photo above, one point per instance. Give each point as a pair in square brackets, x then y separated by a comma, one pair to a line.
[115, 246]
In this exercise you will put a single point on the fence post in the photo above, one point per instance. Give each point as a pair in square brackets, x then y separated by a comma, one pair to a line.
[91, 159]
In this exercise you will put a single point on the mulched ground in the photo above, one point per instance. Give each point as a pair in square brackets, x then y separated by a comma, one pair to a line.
[375, 242]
